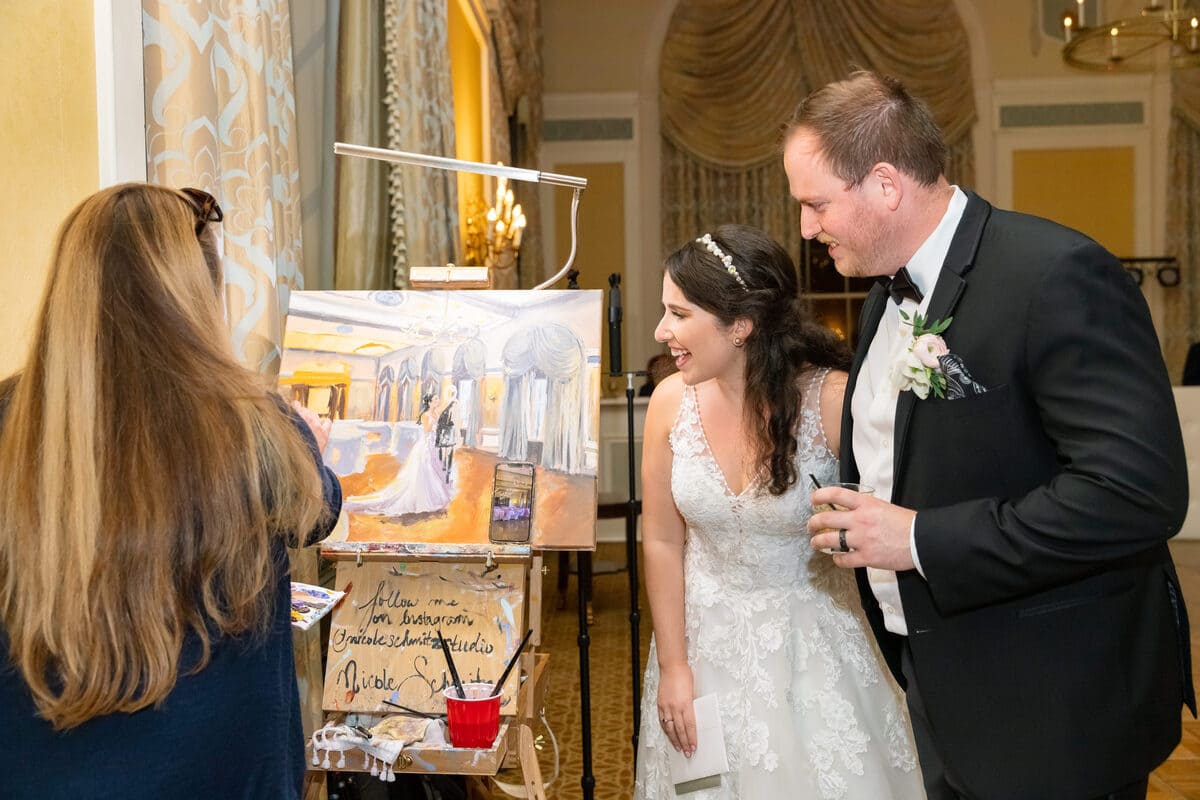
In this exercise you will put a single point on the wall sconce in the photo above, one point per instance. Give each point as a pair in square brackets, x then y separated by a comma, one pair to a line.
[1165, 269]
[494, 235]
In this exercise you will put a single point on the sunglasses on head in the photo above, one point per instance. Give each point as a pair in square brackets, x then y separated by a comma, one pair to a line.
[205, 207]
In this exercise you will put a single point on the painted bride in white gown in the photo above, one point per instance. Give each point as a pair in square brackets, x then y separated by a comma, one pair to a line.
[419, 487]
[743, 607]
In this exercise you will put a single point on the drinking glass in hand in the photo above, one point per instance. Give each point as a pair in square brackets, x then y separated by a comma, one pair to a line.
[861, 488]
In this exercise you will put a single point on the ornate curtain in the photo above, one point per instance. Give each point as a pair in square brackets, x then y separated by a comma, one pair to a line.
[516, 87]
[314, 29]
[394, 68]
[732, 73]
[1182, 306]
[420, 118]
[361, 245]
[220, 115]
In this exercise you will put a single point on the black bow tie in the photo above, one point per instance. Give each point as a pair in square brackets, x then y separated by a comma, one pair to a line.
[901, 286]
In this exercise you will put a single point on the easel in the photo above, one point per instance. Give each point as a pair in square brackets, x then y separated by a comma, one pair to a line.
[461, 277]
[382, 659]
[514, 743]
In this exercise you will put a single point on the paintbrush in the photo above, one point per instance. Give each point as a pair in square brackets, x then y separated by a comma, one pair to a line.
[450, 663]
[413, 711]
[511, 662]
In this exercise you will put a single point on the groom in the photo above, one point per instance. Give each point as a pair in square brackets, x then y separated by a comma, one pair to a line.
[1027, 464]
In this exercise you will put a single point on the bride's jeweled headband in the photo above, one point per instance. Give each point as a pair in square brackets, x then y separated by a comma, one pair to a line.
[724, 258]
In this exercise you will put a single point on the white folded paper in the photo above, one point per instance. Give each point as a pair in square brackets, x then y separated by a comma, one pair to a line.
[709, 762]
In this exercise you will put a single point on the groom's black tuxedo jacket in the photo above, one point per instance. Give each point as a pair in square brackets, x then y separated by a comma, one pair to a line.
[1049, 637]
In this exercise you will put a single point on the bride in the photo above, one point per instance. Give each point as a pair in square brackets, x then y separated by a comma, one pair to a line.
[421, 485]
[743, 607]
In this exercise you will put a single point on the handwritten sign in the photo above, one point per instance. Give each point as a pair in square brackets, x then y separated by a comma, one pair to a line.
[383, 641]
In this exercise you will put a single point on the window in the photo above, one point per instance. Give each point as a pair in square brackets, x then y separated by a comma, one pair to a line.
[836, 301]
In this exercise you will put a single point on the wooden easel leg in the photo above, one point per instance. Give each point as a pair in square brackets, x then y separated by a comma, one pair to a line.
[531, 771]
[314, 786]
[564, 574]
[479, 789]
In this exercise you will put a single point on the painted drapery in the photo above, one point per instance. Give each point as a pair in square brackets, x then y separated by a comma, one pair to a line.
[554, 353]
[220, 115]
[731, 74]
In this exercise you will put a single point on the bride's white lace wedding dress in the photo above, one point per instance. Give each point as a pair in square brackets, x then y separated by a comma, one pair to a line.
[777, 632]
[419, 487]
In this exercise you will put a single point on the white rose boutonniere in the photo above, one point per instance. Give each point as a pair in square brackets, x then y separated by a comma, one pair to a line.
[917, 368]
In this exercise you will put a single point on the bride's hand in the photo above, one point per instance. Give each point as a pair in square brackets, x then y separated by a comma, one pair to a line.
[675, 712]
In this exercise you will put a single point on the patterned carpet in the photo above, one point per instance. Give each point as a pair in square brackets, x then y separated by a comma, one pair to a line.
[611, 689]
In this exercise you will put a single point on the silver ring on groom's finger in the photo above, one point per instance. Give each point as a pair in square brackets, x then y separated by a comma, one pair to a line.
[842, 541]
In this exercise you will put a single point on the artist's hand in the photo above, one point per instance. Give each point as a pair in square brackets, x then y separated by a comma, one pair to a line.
[876, 532]
[319, 427]
[675, 712]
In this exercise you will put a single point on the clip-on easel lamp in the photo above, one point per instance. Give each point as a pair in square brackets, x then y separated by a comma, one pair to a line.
[471, 276]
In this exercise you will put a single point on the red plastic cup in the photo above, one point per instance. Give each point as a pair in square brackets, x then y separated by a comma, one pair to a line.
[475, 721]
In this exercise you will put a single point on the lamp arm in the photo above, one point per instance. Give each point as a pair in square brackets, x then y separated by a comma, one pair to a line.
[574, 241]
[458, 165]
[478, 167]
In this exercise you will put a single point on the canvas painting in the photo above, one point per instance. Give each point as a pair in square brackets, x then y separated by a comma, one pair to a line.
[460, 418]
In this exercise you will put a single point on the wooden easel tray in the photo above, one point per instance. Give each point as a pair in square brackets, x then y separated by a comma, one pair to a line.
[428, 759]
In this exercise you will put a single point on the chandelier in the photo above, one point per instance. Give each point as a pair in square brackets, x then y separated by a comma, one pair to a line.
[1163, 33]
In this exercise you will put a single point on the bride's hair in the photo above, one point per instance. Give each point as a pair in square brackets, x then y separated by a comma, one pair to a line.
[759, 284]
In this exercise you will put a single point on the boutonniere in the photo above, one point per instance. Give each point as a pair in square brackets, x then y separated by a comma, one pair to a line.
[918, 368]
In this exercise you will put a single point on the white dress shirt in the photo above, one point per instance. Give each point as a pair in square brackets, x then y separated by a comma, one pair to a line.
[874, 402]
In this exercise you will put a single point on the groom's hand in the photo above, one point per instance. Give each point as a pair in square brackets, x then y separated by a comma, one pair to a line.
[876, 532]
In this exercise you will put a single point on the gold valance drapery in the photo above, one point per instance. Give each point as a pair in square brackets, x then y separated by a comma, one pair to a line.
[731, 72]
[730, 75]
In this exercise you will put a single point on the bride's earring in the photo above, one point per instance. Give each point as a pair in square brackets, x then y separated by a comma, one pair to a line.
[738, 341]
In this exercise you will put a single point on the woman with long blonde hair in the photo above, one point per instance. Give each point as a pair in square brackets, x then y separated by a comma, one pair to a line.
[149, 486]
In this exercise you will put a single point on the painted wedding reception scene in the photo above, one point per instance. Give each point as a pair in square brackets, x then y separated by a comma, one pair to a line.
[438, 398]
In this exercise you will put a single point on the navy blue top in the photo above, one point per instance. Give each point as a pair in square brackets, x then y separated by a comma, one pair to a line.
[230, 731]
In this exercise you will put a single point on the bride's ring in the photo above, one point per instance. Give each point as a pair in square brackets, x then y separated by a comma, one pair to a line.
[842, 541]
[666, 720]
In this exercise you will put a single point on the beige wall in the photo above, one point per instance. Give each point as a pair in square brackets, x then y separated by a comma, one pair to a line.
[49, 150]
[600, 47]
[596, 47]
[601, 251]
[1088, 189]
